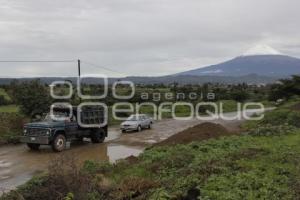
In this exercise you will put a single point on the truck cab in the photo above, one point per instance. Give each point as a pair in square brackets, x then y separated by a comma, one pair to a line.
[49, 131]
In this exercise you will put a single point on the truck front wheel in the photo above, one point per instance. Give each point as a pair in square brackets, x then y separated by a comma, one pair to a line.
[97, 136]
[33, 146]
[59, 143]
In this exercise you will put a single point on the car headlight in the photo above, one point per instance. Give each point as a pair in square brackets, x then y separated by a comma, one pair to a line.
[25, 131]
[48, 132]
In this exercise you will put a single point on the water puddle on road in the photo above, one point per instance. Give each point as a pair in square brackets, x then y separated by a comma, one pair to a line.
[18, 164]
[116, 152]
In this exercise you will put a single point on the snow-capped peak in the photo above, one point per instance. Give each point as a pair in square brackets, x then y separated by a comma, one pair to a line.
[261, 50]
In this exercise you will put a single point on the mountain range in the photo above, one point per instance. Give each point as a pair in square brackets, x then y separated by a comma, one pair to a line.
[261, 60]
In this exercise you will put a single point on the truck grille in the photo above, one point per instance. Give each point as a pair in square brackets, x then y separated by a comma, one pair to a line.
[36, 132]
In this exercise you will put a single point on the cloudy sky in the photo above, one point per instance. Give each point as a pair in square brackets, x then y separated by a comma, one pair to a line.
[140, 37]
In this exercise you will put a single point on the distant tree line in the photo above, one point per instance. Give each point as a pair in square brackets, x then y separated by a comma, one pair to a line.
[285, 89]
[33, 97]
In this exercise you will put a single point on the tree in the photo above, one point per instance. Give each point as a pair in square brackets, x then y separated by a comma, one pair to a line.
[32, 97]
[285, 89]
[239, 95]
[3, 100]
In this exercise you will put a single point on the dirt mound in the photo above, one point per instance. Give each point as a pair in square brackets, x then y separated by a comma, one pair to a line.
[296, 107]
[199, 132]
[132, 159]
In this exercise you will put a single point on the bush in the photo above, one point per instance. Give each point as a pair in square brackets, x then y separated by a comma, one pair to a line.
[11, 125]
[33, 97]
[281, 117]
[3, 100]
[276, 117]
[293, 119]
[271, 130]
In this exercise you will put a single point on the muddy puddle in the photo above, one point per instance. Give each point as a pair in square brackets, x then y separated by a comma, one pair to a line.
[18, 164]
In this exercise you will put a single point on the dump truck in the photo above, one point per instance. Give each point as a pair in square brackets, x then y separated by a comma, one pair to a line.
[50, 130]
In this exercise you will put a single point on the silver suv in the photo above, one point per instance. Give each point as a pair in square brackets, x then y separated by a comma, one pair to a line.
[136, 123]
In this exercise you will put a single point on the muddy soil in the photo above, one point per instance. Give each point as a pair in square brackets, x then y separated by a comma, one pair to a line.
[199, 132]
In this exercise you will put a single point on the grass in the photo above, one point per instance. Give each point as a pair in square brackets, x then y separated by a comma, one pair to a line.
[229, 168]
[9, 109]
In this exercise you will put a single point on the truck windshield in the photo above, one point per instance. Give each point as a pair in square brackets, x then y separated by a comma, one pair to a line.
[57, 115]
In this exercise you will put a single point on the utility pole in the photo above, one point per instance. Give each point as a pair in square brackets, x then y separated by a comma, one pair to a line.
[79, 73]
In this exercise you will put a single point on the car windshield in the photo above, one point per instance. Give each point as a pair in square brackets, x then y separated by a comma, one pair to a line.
[133, 118]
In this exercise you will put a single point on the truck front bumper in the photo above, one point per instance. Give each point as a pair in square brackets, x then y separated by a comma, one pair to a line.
[35, 139]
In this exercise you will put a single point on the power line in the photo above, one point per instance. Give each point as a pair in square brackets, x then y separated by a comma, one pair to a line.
[62, 61]
[36, 61]
[101, 67]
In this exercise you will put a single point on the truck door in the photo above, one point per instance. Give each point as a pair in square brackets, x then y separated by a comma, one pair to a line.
[71, 126]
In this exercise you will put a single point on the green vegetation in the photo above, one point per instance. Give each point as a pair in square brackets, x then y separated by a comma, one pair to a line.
[286, 89]
[33, 97]
[285, 117]
[11, 125]
[4, 97]
[4, 94]
[9, 109]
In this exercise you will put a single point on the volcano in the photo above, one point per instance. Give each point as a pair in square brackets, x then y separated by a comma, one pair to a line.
[261, 60]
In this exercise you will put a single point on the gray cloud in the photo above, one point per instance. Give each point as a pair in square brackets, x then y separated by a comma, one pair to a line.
[140, 37]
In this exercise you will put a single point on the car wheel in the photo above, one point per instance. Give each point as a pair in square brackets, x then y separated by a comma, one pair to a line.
[123, 131]
[33, 146]
[59, 143]
[139, 128]
[98, 136]
[150, 126]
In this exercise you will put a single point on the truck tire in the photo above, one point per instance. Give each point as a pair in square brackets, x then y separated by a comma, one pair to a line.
[97, 135]
[34, 147]
[59, 143]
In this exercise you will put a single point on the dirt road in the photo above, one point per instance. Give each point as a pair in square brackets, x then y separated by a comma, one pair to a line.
[18, 164]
